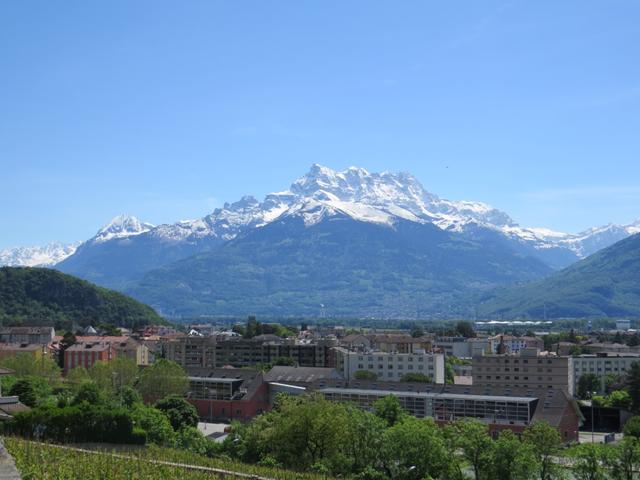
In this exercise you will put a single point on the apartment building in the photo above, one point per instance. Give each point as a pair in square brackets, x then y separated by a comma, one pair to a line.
[191, 352]
[513, 344]
[88, 354]
[603, 365]
[33, 335]
[218, 352]
[454, 346]
[387, 342]
[528, 369]
[390, 366]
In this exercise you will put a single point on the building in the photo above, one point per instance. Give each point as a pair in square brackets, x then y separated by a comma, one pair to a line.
[500, 408]
[386, 342]
[528, 369]
[603, 365]
[513, 344]
[37, 351]
[27, 335]
[390, 366]
[134, 350]
[218, 352]
[191, 352]
[623, 325]
[454, 346]
[228, 394]
[87, 354]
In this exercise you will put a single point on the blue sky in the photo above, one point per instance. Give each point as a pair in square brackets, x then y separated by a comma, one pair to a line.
[167, 109]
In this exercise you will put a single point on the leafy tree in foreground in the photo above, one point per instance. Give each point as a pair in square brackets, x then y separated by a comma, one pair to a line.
[161, 379]
[589, 461]
[475, 444]
[511, 459]
[415, 449]
[181, 414]
[624, 460]
[545, 442]
[155, 423]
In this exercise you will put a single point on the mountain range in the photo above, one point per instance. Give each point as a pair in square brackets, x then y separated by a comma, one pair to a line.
[321, 217]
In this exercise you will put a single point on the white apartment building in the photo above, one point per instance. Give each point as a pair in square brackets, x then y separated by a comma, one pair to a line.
[602, 365]
[390, 366]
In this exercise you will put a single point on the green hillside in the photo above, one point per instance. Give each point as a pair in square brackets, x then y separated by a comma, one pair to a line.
[40, 296]
[341, 267]
[605, 284]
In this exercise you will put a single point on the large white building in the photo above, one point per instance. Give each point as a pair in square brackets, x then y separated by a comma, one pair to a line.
[390, 366]
[602, 365]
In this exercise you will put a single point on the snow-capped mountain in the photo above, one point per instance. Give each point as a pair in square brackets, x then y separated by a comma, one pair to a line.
[43, 256]
[122, 226]
[380, 198]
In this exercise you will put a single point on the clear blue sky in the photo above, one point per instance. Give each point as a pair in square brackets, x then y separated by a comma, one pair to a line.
[167, 109]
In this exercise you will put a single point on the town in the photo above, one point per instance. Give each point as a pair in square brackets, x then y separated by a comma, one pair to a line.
[582, 384]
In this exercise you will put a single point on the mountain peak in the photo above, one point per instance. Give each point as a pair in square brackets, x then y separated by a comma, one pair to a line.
[122, 226]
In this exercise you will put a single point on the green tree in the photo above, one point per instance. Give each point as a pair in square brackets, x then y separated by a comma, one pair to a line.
[27, 365]
[301, 432]
[511, 459]
[624, 459]
[475, 444]
[191, 439]
[155, 423]
[365, 375]
[465, 329]
[545, 442]
[632, 427]
[633, 385]
[181, 414]
[389, 409]
[129, 396]
[589, 461]
[619, 399]
[25, 391]
[112, 375]
[76, 378]
[416, 377]
[90, 393]
[364, 438]
[588, 383]
[161, 379]
[415, 449]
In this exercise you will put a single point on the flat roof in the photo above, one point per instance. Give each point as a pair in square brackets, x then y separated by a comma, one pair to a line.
[216, 379]
[453, 396]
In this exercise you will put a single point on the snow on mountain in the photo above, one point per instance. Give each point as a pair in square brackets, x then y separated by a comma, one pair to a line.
[383, 198]
[38, 256]
[122, 226]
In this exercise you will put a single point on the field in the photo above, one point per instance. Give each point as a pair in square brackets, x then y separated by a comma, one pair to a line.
[37, 461]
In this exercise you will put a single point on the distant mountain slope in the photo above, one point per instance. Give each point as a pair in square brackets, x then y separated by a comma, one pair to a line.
[319, 260]
[39, 296]
[605, 284]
